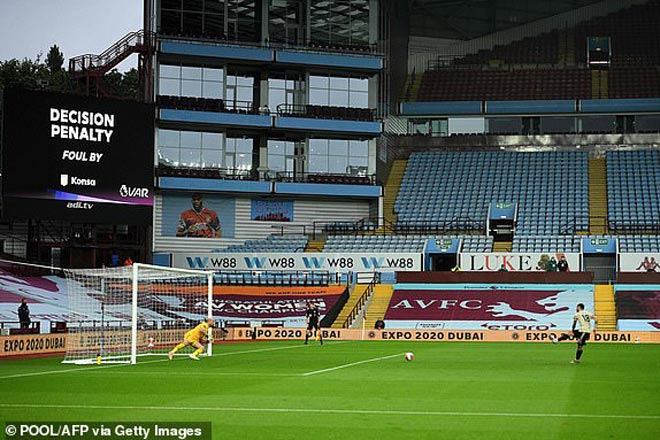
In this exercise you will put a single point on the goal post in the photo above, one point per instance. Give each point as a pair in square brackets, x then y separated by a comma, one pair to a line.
[117, 315]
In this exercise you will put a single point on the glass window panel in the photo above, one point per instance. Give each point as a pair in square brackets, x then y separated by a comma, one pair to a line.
[213, 24]
[190, 157]
[231, 145]
[244, 145]
[276, 162]
[318, 164]
[213, 6]
[193, 5]
[360, 148]
[276, 147]
[212, 159]
[191, 72]
[169, 156]
[290, 147]
[191, 88]
[170, 22]
[321, 82]
[358, 161]
[169, 87]
[212, 141]
[229, 161]
[244, 94]
[212, 74]
[171, 4]
[167, 71]
[212, 90]
[339, 147]
[244, 161]
[337, 164]
[359, 100]
[275, 98]
[192, 23]
[231, 92]
[339, 83]
[276, 83]
[359, 85]
[168, 138]
[318, 97]
[191, 139]
[318, 147]
[244, 81]
[339, 98]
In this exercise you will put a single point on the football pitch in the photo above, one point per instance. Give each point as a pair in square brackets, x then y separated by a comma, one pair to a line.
[359, 390]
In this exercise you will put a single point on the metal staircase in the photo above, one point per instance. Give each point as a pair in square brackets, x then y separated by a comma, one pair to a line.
[88, 69]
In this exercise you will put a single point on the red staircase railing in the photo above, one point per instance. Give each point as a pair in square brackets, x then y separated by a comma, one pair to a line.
[90, 64]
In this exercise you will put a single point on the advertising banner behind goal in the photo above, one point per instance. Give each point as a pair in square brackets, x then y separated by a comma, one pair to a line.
[516, 262]
[322, 261]
[503, 307]
[639, 262]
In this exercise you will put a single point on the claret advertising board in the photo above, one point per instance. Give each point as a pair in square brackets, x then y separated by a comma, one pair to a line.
[77, 158]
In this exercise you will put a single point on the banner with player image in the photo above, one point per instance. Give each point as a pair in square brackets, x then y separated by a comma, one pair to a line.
[501, 307]
[198, 215]
[272, 210]
[639, 262]
[518, 262]
[638, 307]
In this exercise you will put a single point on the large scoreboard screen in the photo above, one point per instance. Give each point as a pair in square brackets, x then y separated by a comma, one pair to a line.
[77, 158]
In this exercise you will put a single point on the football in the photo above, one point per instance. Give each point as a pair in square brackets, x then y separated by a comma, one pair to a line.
[410, 356]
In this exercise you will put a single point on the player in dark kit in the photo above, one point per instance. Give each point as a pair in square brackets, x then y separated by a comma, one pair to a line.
[582, 335]
[313, 325]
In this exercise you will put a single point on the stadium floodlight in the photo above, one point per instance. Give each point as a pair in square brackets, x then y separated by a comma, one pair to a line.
[119, 314]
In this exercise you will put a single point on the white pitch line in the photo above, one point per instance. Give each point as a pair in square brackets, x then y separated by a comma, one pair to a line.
[337, 411]
[339, 367]
[70, 370]
[95, 368]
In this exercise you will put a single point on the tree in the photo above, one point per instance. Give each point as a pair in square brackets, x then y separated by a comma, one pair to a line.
[54, 59]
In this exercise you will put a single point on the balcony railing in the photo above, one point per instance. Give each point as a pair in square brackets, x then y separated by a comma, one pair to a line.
[326, 112]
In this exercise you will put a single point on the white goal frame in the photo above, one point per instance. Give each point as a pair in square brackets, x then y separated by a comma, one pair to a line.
[135, 280]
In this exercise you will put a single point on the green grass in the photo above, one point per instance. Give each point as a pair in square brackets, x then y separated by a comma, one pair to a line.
[451, 390]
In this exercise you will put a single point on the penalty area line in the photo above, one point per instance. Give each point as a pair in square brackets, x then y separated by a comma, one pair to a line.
[352, 364]
[333, 411]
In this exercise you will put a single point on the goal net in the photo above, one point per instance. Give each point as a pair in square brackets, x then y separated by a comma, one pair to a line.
[117, 315]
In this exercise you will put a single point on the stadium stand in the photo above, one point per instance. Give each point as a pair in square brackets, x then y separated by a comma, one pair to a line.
[504, 84]
[633, 190]
[639, 243]
[552, 65]
[453, 190]
[400, 243]
[568, 243]
[272, 243]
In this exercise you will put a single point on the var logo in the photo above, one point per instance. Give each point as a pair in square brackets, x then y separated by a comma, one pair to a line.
[197, 262]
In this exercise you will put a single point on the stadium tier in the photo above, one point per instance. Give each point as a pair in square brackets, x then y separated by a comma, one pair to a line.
[272, 243]
[553, 65]
[462, 84]
[639, 243]
[633, 190]
[400, 243]
[571, 243]
[453, 190]
[546, 244]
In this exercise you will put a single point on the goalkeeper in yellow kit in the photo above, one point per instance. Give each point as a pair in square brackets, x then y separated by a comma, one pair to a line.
[195, 337]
